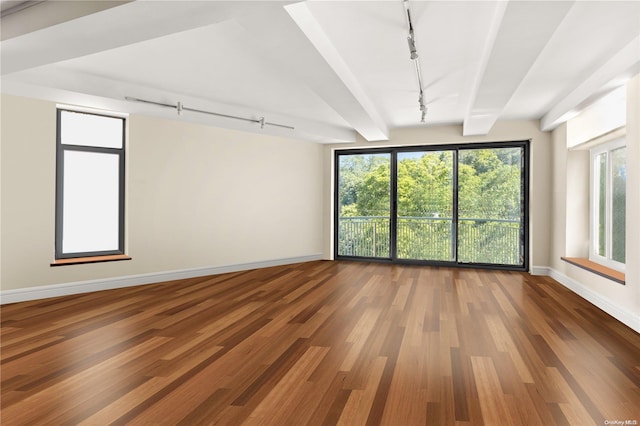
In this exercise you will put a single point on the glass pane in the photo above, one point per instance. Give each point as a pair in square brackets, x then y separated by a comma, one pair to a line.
[618, 210]
[91, 130]
[364, 187]
[91, 202]
[601, 177]
[490, 206]
[425, 205]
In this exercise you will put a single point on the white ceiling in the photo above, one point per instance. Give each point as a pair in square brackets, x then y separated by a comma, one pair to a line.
[330, 69]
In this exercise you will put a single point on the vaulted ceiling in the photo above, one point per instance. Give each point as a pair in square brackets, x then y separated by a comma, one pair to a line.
[329, 69]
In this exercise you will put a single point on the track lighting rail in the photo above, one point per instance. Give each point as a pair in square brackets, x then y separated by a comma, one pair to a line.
[179, 107]
[413, 55]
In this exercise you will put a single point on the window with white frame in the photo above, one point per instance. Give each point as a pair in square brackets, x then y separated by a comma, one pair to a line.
[608, 204]
[89, 184]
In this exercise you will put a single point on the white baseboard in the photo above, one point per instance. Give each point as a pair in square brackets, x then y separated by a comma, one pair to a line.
[55, 290]
[540, 270]
[624, 316]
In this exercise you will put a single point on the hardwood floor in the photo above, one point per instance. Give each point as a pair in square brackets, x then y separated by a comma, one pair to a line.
[321, 343]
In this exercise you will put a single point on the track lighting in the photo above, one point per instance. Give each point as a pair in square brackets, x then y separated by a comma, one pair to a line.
[180, 107]
[412, 47]
[413, 54]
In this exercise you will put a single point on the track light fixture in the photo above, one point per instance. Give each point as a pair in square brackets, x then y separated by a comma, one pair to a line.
[423, 107]
[412, 47]
[413, 54]
[411, 39]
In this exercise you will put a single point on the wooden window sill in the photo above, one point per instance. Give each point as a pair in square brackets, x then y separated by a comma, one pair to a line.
[91, 259]
[596, 268]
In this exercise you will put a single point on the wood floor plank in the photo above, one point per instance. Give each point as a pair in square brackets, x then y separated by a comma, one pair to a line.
[356, 410]
[492, 398]
[278, 404]
[321, 343]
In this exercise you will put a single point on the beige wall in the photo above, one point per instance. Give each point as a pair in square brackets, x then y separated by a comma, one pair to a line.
[197, 196]
[540, 192]
[570, 211]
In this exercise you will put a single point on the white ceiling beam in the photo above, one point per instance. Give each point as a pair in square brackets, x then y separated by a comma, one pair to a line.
[29, 16]
[352, 103]
[118, 26]
[622, 65]
[522, 33]
[470, 125]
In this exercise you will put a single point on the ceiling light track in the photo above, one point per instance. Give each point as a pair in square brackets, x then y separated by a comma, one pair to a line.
[413, 55]
[179, 107]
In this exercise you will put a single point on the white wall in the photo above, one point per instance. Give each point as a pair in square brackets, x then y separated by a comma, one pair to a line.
[540, 188]
[197, 197]
[570, 208]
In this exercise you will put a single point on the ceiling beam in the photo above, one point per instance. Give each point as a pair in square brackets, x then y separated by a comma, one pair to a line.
[505, 70]
[118, 26]
[352, 102]
[622, 65]
[470, 123]
[33, 15]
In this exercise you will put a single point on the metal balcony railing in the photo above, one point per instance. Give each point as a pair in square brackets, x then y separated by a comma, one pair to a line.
[495, 241]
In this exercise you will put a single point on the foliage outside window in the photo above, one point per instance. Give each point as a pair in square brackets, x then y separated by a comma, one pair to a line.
[608, 204]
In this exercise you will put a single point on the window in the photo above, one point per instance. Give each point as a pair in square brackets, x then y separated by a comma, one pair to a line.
[463, 205]
[608, 203]
[89, 185]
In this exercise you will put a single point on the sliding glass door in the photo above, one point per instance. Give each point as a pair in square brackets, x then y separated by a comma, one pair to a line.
[425, 225]
[448, 204]
[491, 206]
[364, 205]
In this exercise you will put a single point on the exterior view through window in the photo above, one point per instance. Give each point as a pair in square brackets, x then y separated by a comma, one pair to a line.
[365, 205]
[608, 204]
[441, 205]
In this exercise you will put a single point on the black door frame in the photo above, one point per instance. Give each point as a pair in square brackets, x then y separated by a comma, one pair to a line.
[393, 208]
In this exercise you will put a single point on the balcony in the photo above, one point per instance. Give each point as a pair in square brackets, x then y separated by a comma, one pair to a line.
[492, 241]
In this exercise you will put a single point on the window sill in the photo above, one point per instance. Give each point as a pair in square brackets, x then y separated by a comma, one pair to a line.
[596, 268]
[91, 259]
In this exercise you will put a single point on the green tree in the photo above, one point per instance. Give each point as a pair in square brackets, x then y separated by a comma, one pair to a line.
[374, 192]
[425, 185]
[353, 169]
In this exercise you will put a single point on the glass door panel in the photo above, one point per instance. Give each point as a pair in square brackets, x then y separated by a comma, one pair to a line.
[364, 205]
[425, 227]
[491, 206]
